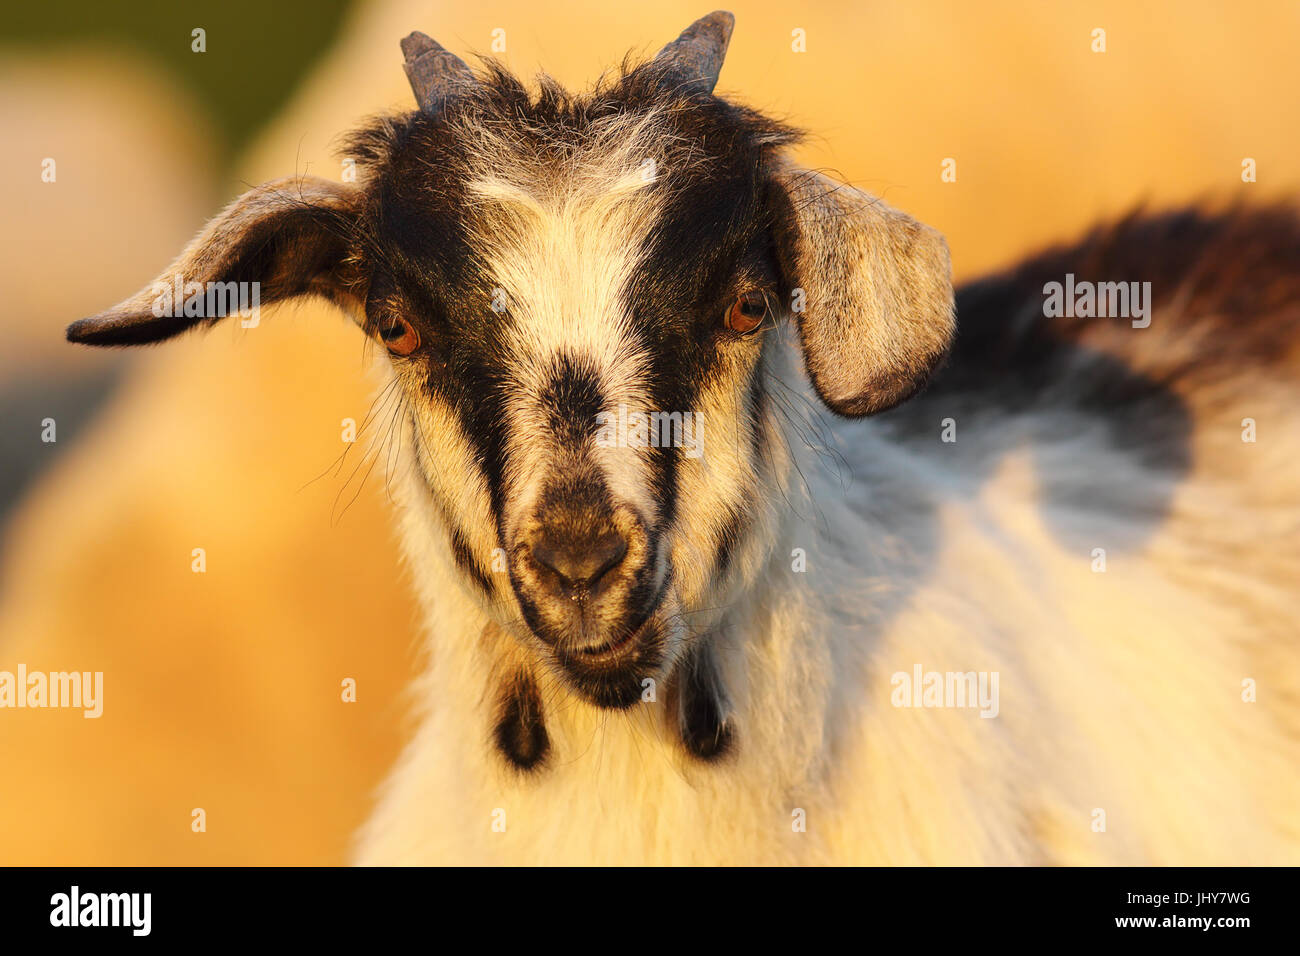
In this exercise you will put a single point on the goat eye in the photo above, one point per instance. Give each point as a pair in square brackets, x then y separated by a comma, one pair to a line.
[399, 336]
[747, 313]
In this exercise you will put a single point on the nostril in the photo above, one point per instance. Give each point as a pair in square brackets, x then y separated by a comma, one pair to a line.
[580, 562]
[607, 553]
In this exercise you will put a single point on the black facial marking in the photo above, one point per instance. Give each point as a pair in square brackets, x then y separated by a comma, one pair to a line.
[703, 711]
[663, 482]
[572, 400]
[417, 229]
[466, 561]
[520, 731]
[757, 409]
[461, 551]
[732, 534]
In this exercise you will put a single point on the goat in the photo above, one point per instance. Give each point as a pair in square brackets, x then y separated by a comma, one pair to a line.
[640, 654]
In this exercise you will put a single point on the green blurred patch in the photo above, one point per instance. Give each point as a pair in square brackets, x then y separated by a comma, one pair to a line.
[257, 51]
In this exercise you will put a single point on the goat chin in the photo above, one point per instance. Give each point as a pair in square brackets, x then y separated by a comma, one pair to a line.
[1122, 734]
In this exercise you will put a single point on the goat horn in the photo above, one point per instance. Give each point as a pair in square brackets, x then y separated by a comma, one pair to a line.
[693, 61]
[434, 73]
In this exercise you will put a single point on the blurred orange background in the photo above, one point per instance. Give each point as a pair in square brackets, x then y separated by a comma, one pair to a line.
[222, 689]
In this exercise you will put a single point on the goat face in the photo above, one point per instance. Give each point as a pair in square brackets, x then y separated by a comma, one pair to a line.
[589, 282]
[575, 293]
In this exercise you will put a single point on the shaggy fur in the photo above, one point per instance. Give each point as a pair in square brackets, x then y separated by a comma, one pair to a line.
[1120, 691]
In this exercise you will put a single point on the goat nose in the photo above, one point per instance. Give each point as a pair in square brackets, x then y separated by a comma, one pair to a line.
[580, 563]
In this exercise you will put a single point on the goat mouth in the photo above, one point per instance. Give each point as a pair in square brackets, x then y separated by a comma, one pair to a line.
[613, 649]
[611, 675]
[623, 643]
[621, 639]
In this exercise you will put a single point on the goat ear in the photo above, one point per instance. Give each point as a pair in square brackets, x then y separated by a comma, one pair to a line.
[289, 237]
[871, 290]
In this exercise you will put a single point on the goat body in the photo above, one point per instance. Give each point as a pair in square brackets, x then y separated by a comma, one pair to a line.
[1122, 735]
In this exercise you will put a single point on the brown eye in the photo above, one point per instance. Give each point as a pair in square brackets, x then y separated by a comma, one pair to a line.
[747, 313]
[399, 336]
